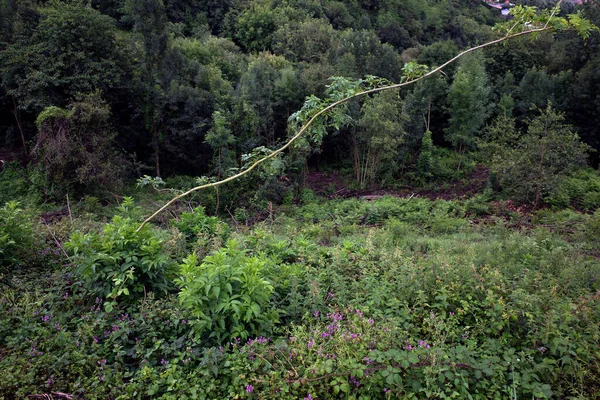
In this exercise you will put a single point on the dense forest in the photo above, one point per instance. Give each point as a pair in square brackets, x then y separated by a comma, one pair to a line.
[398, 227]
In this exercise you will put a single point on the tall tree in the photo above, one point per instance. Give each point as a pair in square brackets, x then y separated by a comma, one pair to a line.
[468, 103]
[221, 140]
[72, 50]
[376, 139]
[150, 21]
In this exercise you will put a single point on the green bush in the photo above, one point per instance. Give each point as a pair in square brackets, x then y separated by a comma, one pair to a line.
[17, 236]
[17, 183]
[206, 232]
[229, 295]
[580, 189]
[121, 263]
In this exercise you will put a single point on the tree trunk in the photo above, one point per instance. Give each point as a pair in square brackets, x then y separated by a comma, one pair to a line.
[155, 141]
[16, 114]
[355, 159]
[538, 188]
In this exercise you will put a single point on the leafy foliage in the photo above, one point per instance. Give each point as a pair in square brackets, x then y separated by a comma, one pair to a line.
[229, 295]
[72, 50]
[75, 146]
[425, 161]
[201, 231]
[16, 235]
[537, 162]
[120, 263]
[468, 101]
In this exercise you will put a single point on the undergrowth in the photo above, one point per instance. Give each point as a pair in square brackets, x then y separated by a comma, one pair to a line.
[395, 298]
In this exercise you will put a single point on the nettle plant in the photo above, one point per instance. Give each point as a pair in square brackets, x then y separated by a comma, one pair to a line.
[229, 294]
[201, 230]
[121, 263]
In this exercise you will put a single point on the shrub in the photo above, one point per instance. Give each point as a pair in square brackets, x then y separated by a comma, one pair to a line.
[121, 263]
[580, 189]
[17, 183]
[228, 293]
[17, 237]
[75, 147]
[207, 232]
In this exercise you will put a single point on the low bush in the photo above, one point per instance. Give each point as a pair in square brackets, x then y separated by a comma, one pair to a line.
[202, 232]
[17, 236]
[580, 189]
[120, 263]
[318, 303]
[228, 294]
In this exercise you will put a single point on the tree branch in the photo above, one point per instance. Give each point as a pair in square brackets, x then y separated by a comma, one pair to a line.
[331, 106]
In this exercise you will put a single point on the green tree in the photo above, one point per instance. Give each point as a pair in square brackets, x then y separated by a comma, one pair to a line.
[255, 27]
[308, 40]
[265, 104]
[534, 164]
[377, 137]
[72, 50]
[468, 103]
[220, 140]
[150, 21]
[425, 160]
[424, 111]
[367, 54]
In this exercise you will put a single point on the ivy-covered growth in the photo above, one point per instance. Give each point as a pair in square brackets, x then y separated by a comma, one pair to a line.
[229, 295]
[74, 146]
[120, 263]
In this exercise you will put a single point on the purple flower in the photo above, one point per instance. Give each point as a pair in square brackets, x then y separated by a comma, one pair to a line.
[308, 397]
[45, 318]
[163, 362]
[249, 388]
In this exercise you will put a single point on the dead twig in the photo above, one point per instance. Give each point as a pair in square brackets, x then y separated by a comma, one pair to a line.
[58, 243]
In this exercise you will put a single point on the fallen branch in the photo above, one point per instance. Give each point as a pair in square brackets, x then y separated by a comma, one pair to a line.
[331, 106]
[51, 396]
